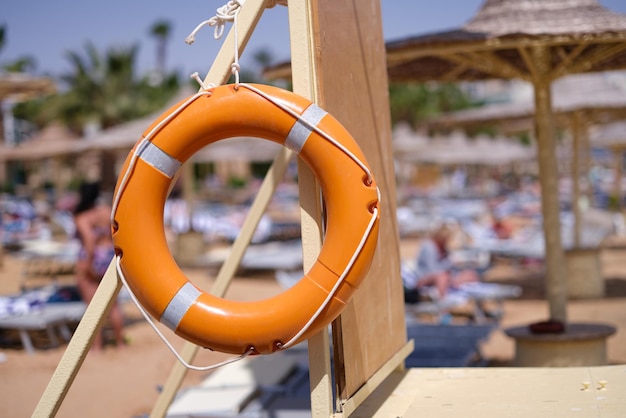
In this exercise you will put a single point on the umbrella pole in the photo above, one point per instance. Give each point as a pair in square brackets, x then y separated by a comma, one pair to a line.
[556, 283]
[576, 124]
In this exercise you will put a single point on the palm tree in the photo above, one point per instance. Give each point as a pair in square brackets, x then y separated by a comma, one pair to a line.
[105, 90]
[101, 90]
[22, 64]
[161, 31]
[3, 36]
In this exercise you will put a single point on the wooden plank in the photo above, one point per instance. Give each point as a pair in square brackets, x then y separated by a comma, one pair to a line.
[496, 392]
[352, 81]
[351, 404]
[79, 345]
[305, 83]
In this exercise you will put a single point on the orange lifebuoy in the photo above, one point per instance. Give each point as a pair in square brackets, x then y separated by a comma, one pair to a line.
[351, 200]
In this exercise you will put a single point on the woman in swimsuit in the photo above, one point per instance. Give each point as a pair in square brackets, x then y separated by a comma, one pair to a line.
[93, 226]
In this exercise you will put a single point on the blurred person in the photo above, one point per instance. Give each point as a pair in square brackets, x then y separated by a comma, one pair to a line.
[501, 228]
[41, 227]
[434, 268]
[93, 228]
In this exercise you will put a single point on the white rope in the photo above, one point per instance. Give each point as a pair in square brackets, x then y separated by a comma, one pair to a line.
[145, 314]
[205, 86]
[224, 14]
[235, 67]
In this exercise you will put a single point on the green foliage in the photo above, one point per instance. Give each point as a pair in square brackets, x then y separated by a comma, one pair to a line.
[236, 182]
[260, 169]
[416, 103]
[3, 36]
[22, 64]
[161, 31]
[613, 202]
[101, 89]
[7, 187]
[525, 138]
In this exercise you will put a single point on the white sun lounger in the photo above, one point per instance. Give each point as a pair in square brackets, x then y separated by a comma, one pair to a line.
[226, 391]
[49, 317]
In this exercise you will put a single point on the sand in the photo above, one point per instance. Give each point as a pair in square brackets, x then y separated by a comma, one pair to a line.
[124, 382]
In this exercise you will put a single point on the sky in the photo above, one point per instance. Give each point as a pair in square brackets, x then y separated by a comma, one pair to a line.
[47, 30]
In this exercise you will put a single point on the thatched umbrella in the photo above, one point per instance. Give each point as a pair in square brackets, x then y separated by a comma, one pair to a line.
[54, 140]
[611, 135]
[43, 153]
[20, 86]
[16, 87]
[115, 143]
[458, 149]
[534, 40]
[420, 158]
[599, 96]
[580, 100]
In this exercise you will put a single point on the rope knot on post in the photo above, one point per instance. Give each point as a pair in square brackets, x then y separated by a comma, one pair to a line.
[224, 14]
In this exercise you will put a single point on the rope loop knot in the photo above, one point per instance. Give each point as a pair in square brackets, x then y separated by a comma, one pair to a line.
[224, 14]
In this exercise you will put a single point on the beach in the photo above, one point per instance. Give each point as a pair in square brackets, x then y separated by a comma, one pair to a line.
[125, 382]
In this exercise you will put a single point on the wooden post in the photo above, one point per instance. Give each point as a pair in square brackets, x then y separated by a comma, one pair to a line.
[305, 83]
[79, 345]
[556, 283]
[350, 65]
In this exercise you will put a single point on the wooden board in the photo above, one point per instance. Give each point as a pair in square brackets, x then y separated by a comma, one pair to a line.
[352, 78]
[500, 392]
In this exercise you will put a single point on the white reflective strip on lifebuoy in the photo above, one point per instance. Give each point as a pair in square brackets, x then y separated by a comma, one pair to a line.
[158, 158]
[179, 305]
[301, 131]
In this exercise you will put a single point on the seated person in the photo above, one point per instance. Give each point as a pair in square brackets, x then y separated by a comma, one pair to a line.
[434, 268]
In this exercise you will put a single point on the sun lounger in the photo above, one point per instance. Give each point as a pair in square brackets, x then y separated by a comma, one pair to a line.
[276, 255]
[230, 388]
[50, 318]
[475, 294]
[44, 258]
[446, 345]
[480, 293]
